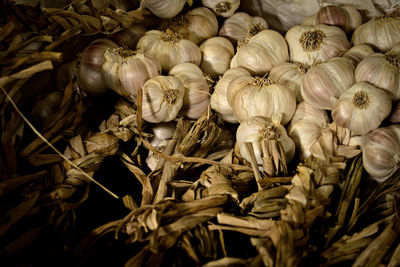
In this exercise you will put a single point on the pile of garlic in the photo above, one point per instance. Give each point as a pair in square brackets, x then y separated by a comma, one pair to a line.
[334, 68]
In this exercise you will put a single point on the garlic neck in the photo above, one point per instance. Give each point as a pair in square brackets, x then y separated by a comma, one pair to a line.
[170, 96]
[393, 60]
[223, 7]
[312, 40]
[270, 132]
[361, 100]
[170, 36]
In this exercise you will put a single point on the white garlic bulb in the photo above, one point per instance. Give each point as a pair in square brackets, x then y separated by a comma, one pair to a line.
[381, 70]
[162, 133]
[362, 108]
[240, 25]
[90, 65]
[308, 44]
[259, 96]
[162, 98]
[257, 130]
[197, 98]
[345, 17]
[219, 98]
[306, 112]
[326, 80]
[196, 25]
[259, 53]
[125, 70]
[216, 55]
[164, 9]
[380, 33]
[381, 152]
[291, 75]
[223, 8]
[169, 48]
[358, 53]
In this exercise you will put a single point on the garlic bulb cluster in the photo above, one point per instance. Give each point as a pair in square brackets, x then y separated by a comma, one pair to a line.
[308, 44]
[90, 65]
[164, 9]
[362, 108]
[216, 55]
[258, 131]
[381, 70]
[381, 152]
[240, 25]
[326, 80]
[219, 98]
[291, 75]
[162, 98]
[196, 98]
[259, 53]
[380, 33]
[169, 48]
[249, 96]
[125, 70]
[306, 127]
[162, 133]
[345, 17]
[223, 8]
[358, 53]
[196, 25]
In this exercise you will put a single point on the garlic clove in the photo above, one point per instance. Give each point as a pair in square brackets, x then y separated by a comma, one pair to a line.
[163, 9]
[216, 54]
[362, 108]
[223, 8]
[326, 80]
[308, 44]
[162, 98]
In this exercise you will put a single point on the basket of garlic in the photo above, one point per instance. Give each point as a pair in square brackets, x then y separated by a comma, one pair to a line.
[198, 133]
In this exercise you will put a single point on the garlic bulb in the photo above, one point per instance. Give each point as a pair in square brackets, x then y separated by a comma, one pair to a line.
[326, 80]
[345, 17]
[216, 55]
[240, 25]
[223, 8]
[250, 97]
[291, 75]
[381, 152]
[306, 127]
[162, 132]
[162, 98]
[258, 130]
[219, 98]
[164, 9]
[196, 25]
[128, 38]
[90, 64]
[362, 108]
[45, 109]
[259, 53]
[380, 33]
[308, 44]
[381, 70]
[395, 116]
[358, 53]
[169, 48]
[197, 98]
[125, 70]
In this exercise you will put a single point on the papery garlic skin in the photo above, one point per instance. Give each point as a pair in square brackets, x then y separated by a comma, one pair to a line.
[216, 55]
[261, 52]
[381, 70]
[345, 17]
[381, 152]
[240, 25]
[164, 9]
[358, 52]
[125, 70]
[90, 65]
[291, 75]
[223, 8]
[362, 108]
[306, 112]
[169, 48]
[326, 80]
[250, 97]
[197, 98]
[219, 98]
[162, 133]
[256, 130]
[162, 98]
[380, 33]
[308, 44]
[310, 20]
